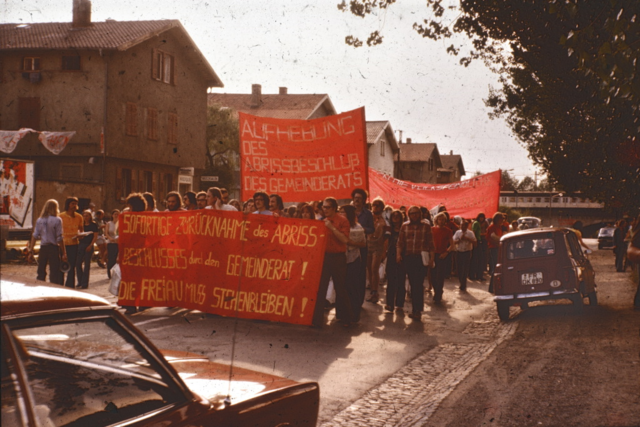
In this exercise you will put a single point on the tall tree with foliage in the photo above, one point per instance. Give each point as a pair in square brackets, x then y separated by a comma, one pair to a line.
[570, 87]
[222, 149]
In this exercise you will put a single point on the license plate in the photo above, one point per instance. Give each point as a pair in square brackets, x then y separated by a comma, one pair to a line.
[531, 278]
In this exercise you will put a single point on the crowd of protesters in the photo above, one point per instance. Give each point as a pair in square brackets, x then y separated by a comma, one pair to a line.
[365, 241]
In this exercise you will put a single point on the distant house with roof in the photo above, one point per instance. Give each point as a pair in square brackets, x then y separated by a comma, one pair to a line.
[418, 162]
[452, 169]
[383, 146]
[134, 92]
[282, 105]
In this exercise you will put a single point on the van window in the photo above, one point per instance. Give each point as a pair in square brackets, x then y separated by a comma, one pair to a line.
[530, 247]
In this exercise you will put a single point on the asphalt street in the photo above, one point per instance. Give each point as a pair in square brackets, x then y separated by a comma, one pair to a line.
[387, 370]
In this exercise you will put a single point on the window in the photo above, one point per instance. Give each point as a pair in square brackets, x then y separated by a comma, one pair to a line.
[71, 63]
[531, 247]
[31, 63]
[152, 124]
[29, 113]
[126, 182]
[75, 367]
[131, 119]
[162, 67]
[172, 128]
[147, 182]
[382, 148]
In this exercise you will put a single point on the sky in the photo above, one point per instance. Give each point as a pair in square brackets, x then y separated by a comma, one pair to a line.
[409, 81]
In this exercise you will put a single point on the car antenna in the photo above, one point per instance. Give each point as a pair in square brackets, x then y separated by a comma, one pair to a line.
[227, 400]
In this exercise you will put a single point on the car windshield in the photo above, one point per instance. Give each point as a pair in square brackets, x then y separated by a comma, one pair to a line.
[530, 247]
[606, 231]
[91, 372]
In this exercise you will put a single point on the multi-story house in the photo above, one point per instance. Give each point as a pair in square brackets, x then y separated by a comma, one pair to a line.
[418, 162]
[383, 147]
[135, 93]
[452, 169]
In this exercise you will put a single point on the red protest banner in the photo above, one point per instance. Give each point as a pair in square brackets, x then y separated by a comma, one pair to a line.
[304, 160]
[227, 263]
[465, 198]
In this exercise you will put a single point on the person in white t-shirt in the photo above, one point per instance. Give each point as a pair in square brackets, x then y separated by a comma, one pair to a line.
[214, 200]
[465, 240]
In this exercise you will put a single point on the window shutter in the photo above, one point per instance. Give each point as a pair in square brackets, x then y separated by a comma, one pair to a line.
[154, 64]
[118, 184]
[154, 188]
[131, 119]
[29, 113]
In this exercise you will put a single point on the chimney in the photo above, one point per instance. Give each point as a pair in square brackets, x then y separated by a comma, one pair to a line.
[451, 152]
[256, 94]
[408, 140]
[81, 14]
[282, 91]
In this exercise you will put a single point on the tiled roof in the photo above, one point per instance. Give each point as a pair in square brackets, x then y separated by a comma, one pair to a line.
[100, 35]
[375, 130]
[289, 106]
[451, 161]
[418, 152]
[110, 35]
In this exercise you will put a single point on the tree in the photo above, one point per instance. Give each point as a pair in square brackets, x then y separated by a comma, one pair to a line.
[527, 184]
[570, 87]
[507, 182]
[222, 150]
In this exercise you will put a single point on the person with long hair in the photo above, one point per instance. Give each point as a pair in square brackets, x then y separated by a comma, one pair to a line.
[356, 280]
[85, 249]
[395, 270]
[306, 212]
[375, 249]
[111, 234]
[249, 206]
[49, 230]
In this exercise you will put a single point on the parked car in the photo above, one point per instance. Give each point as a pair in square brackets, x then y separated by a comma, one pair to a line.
[605, 237]
[542, 264]
[529, 221]
[70, 358]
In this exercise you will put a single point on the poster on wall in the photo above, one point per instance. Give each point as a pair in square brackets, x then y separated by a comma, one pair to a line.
[16, 193]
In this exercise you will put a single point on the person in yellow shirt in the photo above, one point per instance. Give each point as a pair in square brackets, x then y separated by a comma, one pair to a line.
[72, 224]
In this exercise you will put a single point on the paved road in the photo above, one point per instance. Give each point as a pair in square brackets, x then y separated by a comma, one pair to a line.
[388, 370]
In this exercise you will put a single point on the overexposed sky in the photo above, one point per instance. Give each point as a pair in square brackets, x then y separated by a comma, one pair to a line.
[299, 44]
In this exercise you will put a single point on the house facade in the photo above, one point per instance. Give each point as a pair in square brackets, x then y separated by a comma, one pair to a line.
[134, 92]
[418, 162]
[452, 169]
[383, 147]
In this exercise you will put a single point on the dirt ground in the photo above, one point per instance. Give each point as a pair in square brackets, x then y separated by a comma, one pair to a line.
[560, 368]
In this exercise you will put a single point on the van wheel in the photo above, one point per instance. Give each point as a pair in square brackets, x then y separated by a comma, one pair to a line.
[503, 310]
[593, 298]
[578, 303]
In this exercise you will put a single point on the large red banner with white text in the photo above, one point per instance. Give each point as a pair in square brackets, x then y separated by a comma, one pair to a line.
[465, 198]
[227, 263]
[303, 160]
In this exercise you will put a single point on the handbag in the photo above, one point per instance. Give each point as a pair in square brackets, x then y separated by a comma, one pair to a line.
[425, 258]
